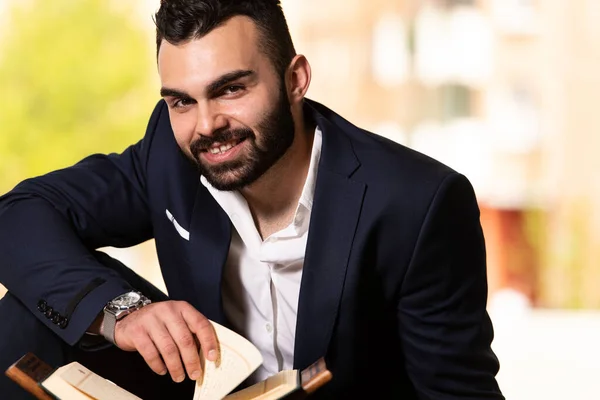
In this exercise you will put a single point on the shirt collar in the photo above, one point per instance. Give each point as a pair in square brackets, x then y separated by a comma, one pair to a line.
[308, 191]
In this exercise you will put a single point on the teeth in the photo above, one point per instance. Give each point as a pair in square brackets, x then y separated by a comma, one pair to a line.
[221, 149]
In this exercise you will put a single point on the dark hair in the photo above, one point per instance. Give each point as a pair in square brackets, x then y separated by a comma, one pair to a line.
[178, 21]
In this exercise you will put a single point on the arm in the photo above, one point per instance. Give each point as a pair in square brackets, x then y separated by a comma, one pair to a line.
[49, 225]
[446, 332]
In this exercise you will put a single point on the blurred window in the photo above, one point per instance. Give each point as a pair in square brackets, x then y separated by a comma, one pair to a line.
[390, 51]
[452, 46]
[516, 17]
[454, 101]
[513, 115]
[454, 3]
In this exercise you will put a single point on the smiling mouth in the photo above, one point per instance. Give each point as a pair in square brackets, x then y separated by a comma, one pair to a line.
[220, 148]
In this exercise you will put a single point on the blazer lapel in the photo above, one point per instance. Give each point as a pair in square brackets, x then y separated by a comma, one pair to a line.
[210, 236]
[336, 208]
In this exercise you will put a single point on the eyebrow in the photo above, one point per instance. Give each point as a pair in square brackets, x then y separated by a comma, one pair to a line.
[227, 78]
[212, 87]
[164, 92]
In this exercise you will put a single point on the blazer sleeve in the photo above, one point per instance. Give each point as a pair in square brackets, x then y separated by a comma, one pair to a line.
[50, 225]
[446, 331]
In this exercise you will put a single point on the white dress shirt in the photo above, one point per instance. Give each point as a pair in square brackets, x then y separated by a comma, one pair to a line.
[261, 279]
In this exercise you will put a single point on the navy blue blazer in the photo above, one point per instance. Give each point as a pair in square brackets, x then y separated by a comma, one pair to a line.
[394, 287]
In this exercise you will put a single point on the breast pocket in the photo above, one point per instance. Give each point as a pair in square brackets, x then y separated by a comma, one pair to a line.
[184, 233]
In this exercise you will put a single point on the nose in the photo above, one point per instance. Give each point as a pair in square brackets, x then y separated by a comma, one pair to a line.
[209, 119]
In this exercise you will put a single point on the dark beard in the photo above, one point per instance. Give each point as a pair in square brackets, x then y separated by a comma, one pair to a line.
[277, 135]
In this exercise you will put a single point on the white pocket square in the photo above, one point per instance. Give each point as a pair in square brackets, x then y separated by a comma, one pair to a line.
[182, 232]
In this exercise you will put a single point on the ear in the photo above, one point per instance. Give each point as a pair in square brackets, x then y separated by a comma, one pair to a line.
[298, 79]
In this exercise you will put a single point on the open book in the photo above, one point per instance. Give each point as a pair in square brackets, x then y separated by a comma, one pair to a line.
[238, 359]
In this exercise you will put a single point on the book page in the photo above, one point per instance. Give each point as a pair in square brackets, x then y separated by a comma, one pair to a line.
[75, 382]
[273, 387]
[238, 359]
[94, 385]
[61, 389]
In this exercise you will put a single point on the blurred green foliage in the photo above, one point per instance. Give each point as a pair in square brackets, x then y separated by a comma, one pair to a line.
[76, 77]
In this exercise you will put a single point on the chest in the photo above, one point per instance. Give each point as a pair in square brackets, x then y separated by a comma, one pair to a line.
[268, 226]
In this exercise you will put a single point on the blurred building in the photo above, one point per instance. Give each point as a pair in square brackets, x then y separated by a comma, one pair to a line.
[502, 91]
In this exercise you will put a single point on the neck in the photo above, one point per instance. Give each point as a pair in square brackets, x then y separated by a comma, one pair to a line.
[278, 191]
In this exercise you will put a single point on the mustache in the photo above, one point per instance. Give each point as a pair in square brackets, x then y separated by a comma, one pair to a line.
[203, 143]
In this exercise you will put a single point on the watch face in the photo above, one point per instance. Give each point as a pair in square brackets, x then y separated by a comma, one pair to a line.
[127, 300]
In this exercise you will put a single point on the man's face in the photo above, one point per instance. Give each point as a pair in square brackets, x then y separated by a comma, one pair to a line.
[228, 107]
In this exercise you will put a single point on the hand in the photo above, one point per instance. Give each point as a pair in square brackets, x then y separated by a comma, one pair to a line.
[169, 330]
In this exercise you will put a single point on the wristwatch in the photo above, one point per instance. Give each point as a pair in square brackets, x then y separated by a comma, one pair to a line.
[118, 308]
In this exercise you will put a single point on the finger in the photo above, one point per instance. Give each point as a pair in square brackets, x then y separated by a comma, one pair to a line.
[169, 351]
[145, 346]
[204, 331]
[188, 350]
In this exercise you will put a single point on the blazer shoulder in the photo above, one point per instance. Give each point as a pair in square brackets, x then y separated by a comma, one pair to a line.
[158, 117]
[381, 159]
[386, 167]
[394, 165]
[159, 141]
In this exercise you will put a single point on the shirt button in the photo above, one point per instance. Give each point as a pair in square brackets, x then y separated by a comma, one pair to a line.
[269, 328]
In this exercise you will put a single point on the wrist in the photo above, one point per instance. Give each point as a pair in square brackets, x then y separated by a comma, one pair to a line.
[117, 309]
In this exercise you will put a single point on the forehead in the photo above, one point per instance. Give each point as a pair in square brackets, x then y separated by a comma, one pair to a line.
[232, 46]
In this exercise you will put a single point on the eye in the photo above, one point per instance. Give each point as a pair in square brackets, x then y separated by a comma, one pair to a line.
[180, 103]
[232, 89]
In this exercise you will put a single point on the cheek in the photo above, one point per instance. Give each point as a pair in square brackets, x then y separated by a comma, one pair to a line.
[247, 116]
[239, 113]
[247, 112]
